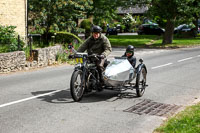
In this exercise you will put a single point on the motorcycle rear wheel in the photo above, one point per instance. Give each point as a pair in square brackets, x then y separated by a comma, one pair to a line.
[77, 86]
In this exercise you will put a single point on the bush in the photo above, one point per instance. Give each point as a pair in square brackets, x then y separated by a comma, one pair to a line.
[9, 39]
[86, 24]
[66, 37]
[62, 57]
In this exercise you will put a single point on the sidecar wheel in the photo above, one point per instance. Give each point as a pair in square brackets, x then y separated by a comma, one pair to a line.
[141, 82]
[76, 87]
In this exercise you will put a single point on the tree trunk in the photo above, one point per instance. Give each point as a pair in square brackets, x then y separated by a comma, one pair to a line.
[195, 22]
[169, 30]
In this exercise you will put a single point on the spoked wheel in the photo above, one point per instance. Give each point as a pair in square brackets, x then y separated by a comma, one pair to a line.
[141, 82]
[77, 86]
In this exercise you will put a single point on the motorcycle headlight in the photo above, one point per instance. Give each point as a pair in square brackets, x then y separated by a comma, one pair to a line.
[78, 65]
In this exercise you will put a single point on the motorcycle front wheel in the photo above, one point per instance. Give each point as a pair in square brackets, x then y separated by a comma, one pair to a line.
[141, 82]
[77, 85]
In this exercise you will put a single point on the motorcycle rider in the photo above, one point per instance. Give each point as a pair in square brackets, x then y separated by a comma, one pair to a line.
[130, 55]
[98, 44]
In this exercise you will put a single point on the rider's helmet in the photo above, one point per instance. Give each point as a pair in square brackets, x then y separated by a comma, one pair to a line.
[96, 28]
[130, 49]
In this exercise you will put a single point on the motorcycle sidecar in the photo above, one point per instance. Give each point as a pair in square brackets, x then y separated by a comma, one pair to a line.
[119, 74]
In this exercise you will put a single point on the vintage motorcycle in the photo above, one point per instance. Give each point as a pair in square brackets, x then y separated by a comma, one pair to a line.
[118, 75]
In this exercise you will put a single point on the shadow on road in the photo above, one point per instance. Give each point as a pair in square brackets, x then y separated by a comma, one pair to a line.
[64, 96]
[108, 96]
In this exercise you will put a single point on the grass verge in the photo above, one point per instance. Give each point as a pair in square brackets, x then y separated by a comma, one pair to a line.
[187, 121]
[152, 41]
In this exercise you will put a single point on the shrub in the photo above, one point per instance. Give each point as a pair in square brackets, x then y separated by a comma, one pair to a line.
[9, 39]
[66, 37]
[86, 24]
[63, 56]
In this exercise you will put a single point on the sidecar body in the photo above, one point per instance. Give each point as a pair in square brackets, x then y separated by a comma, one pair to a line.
[119, 72]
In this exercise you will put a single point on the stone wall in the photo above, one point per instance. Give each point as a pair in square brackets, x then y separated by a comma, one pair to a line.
[13, 12]
[16, 61]
[47, 56]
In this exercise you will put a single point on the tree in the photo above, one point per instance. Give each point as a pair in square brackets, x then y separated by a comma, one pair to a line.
[104, 11]
[176, 11]
[171, 12]
[57, 15]
[195, 13]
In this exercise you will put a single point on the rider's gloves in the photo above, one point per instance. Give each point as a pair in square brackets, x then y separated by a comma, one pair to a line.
[70, 56]
[102, 56]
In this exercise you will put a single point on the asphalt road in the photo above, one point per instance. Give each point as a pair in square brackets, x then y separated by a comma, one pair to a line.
[39, 101]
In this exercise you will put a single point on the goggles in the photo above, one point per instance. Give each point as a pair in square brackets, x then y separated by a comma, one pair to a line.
[129, 52]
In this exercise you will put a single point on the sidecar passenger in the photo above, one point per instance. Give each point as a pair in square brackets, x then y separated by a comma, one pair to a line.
[130, 55]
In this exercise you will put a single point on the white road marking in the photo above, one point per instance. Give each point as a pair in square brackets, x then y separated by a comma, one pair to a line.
[162, 65]
[26, 99]
[189, 58]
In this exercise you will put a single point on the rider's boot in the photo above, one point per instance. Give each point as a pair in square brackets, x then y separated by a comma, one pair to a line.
[101, 84]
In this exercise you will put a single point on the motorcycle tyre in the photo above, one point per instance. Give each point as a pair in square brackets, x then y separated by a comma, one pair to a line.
[73, 87]
[140, 87]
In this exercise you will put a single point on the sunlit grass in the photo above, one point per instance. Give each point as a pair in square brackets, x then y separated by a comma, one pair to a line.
[187, 121]
[151, 41]
[137, 41]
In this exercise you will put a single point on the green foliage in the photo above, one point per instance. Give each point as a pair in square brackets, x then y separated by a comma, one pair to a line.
[86, 24]
[151, 41]
[186, 121]
[56, 15]
[63, 56]
[104, 11]
[7, 35]
[177, 11]
[66, 37]
[4, 48]
[131, 23]
[9, 39]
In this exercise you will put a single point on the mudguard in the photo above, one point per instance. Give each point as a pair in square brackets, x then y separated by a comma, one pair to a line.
[139, 67]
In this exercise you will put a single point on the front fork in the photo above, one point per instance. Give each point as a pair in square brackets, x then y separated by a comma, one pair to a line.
[81, 67]
[83, 79]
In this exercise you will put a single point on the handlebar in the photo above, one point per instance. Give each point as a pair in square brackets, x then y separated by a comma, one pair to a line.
[82, 55]
[70, 46]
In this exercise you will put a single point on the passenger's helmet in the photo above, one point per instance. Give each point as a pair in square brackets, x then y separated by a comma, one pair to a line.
[96, 28]
[130, 48]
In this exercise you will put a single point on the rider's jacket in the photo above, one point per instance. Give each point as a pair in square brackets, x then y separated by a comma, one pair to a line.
[131, 59]
[100, 46]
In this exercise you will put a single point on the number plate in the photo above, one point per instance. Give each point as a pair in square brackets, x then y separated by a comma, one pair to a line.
[79, 60]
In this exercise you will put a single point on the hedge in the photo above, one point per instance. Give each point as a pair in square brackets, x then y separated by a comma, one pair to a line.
[66, 37]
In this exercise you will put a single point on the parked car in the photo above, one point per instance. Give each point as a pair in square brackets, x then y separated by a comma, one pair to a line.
[182, 28]
[199, 29]
[150, 29]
